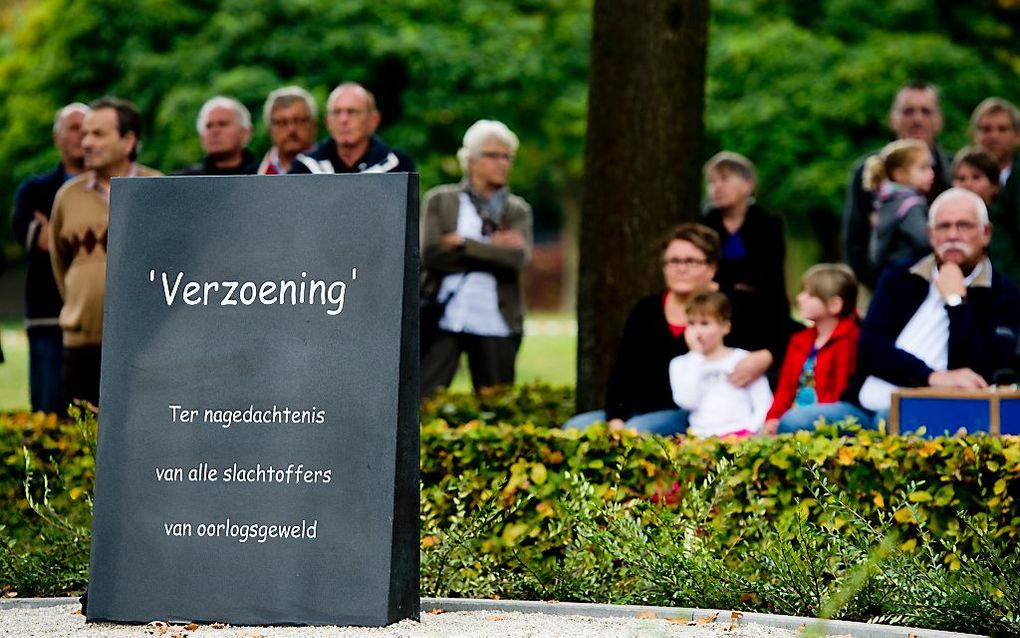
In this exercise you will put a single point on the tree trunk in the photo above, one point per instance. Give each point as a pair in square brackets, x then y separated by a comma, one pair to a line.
[643, 155]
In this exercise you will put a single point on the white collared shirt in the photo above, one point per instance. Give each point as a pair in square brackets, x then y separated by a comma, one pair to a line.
[93, 183]
[474, 307]
[926, 336]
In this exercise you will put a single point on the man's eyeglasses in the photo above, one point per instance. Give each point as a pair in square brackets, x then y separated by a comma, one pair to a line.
[690, 262]
[350, 112]
[962, 227]
[282, 122]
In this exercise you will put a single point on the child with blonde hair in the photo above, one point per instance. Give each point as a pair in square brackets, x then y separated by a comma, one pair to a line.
[700, 378]
[821, 358]
[900, 176]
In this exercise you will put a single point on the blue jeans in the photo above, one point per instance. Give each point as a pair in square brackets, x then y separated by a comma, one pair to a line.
[662, 422]
[45, 362]
[804, 418]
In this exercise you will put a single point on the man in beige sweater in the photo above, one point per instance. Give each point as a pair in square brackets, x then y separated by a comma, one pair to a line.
[78, 230]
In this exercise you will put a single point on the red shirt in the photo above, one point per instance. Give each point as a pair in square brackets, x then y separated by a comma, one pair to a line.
[834, 363]
[676, 329]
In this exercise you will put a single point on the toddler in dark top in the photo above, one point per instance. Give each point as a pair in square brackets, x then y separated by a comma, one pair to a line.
[900, 178]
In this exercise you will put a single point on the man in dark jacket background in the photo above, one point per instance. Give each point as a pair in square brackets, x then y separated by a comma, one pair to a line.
[995, 126]
[32, 205]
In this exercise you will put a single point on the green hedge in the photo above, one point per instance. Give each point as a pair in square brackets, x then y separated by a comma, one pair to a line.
[512, 507]
[463, 436]
[507, 435]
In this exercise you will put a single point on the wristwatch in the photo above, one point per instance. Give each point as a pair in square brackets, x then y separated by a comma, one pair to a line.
[953, 300]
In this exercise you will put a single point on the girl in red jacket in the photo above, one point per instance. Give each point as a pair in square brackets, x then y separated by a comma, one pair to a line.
[820, 359]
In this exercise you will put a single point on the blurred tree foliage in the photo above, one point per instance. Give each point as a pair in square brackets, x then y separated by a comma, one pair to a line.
[801, 87]
[435, 67]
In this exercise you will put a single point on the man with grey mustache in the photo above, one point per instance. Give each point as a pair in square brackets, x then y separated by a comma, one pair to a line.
[949, 320]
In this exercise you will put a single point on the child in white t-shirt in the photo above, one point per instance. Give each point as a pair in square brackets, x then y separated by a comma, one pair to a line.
[700, 378]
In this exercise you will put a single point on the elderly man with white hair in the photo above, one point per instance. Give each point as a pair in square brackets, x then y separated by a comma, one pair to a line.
[224, 128]
[949, 320]
[476, 239]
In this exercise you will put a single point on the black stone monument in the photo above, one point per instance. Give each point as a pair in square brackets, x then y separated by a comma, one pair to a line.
[258, 442]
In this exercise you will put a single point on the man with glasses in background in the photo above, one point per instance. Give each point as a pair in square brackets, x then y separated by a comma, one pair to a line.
[352, 146]
[290, 113]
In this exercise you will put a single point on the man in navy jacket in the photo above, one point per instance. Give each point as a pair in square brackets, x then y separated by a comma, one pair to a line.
[950, 320]
[32, 205]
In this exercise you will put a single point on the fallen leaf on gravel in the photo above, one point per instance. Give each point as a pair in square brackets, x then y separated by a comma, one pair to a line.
[76, 612]
[255, 636]
[436, 612]
[646, 614]
[218, 625]
[911, 635]
[705, 620]
[176, 635]
[802, 627]
[192, 627]
[677, 621]
[156, 628]
[11, 594]
[495, 618]
[734, 618]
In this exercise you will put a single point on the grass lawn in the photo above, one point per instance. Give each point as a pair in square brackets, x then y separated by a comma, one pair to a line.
[14, 371]
[548, 353]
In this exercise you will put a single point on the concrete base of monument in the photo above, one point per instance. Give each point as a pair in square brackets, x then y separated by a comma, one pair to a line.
[473, 617]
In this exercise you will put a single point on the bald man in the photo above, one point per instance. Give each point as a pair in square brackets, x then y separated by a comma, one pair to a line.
[352, 146]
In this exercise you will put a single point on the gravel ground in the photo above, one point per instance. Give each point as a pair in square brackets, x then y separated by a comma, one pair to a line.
[65, 620]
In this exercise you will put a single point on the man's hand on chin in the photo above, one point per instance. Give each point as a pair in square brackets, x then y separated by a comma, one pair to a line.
[949, 280]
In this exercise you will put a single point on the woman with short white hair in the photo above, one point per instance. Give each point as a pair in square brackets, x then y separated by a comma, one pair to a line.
[476, 240]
